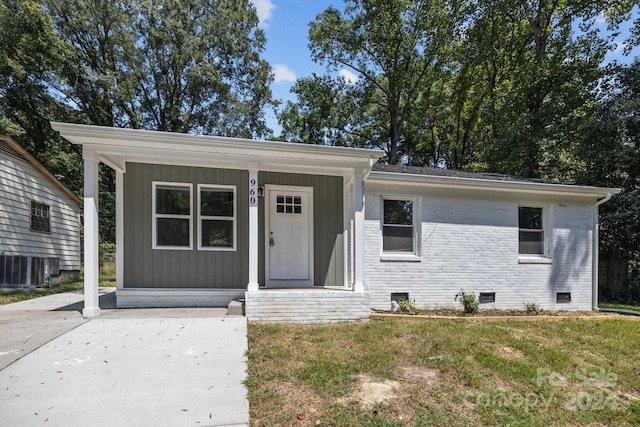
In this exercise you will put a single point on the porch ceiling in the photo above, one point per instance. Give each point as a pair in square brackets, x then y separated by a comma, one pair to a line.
[116, 146]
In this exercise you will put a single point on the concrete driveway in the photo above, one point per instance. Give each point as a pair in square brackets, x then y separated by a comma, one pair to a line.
[142, 367]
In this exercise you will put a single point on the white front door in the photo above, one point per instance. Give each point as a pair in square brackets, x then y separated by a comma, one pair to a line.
[289, 239]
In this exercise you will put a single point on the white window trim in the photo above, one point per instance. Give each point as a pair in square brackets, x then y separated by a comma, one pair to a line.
[200, 217]
[155, 216]
[417, 221]
[547, 228]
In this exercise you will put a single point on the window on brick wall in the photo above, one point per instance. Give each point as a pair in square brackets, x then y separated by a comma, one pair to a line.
[532, 231]
[398, 226]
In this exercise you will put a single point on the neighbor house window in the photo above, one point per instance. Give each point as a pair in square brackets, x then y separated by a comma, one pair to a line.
[398, 226]
[531, 230]
[172, 225]
[216, 217]
[40, 217]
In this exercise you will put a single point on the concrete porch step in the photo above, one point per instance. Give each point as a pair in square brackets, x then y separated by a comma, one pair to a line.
[236, 307]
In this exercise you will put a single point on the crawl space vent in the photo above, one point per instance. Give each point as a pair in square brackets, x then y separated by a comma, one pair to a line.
[399, 296]
[487, 297]
[563, 297]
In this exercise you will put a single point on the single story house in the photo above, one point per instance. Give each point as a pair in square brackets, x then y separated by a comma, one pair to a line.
[308, 233]
[39, 222]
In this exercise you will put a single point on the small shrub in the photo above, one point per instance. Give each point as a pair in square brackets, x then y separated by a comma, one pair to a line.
[470, 304]
[408, 307]
[532, 309]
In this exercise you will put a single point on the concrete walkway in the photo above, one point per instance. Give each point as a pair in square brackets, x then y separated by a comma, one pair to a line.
[142, 367]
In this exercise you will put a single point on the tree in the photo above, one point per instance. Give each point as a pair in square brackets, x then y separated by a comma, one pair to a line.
[169, 65]
[394, 46]
[29, 53]
[539, 76]
[610, 150]
[329, 111]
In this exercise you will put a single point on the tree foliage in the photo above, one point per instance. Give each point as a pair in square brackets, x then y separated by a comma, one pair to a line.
[610, 149]
[168, 65]
[395, 47]
[181, 66]
[501, 85]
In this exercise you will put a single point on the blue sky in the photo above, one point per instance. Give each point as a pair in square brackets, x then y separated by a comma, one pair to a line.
[286, 25]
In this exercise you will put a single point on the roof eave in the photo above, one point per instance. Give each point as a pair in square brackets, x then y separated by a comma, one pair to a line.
[492, 185]
[124, 140]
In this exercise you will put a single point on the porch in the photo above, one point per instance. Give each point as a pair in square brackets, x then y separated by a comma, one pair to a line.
[294, 219]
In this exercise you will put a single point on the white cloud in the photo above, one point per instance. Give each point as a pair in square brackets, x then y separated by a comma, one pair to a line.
[619, 49]
[348, 76]
[265, 10]
[601, 19]
[282, 73]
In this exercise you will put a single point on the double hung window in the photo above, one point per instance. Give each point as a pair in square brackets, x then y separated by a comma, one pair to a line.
[173, 216]
[531, 225]
[398, 226]
[217, 217]
[172, 222]
[40, 217]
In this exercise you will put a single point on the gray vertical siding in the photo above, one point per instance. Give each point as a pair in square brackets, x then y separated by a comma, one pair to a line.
[328, 227]
[160, 268]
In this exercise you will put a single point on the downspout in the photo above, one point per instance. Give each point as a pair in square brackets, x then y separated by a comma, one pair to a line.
[596, 250]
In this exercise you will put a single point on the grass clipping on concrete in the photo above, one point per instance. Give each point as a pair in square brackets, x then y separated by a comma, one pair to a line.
[574, 372]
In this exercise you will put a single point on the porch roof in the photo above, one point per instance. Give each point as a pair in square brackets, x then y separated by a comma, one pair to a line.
[116, 146]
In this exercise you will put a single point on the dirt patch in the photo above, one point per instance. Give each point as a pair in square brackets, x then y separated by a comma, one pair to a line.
[369, 392]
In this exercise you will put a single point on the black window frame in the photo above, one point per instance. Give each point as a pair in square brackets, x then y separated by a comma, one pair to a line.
[396, 228]
[40, 223]
[526, 231]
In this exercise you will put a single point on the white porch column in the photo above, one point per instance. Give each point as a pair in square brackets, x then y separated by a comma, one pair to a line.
[91, 164]
[253, 284]
[358, 206]
[119, 230]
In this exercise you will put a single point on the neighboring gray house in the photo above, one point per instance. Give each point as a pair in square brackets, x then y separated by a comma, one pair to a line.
[39, 222]
[308, 233]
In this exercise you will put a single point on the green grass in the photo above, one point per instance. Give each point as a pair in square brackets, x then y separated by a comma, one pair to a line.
[617, 306]
[106, 278]
[580, 371]
[10, 296]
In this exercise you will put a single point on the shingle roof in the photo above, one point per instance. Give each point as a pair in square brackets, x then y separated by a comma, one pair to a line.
[417, 170]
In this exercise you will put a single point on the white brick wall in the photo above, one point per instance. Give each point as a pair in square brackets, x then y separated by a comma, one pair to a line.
[472, 245]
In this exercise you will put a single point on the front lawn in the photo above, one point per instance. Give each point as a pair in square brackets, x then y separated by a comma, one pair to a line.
[580, 371]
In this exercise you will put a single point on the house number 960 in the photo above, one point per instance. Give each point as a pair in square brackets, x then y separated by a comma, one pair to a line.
[253, 192]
